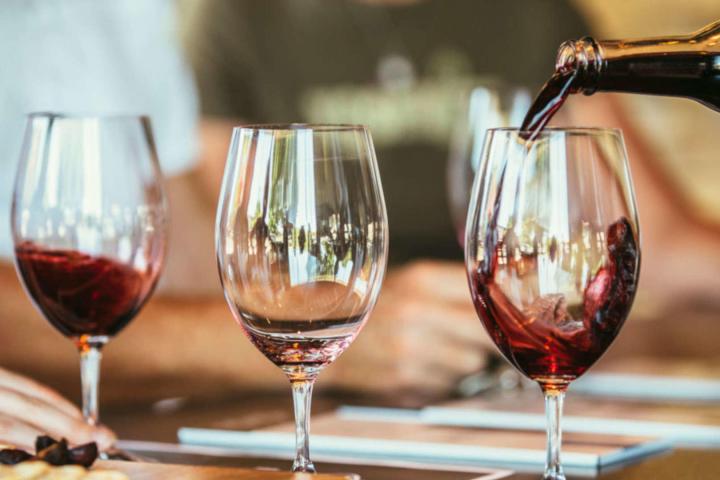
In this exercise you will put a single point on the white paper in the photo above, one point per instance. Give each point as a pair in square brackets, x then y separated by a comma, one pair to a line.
[647, 387]
[339, 448]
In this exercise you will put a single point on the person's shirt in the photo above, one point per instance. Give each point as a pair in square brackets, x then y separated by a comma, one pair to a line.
[93, 57]
[400, 69]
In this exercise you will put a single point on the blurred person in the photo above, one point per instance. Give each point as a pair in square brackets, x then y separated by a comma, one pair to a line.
[401, 67]
[84, 56]
[122, 57]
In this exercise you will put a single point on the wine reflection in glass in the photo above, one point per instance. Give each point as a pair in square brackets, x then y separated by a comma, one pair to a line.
[553, 254]
[88, 223]
[302, 241]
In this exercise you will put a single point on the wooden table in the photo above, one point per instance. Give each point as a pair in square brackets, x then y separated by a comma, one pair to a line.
[677, 465]
[150, 471]
[257, 410]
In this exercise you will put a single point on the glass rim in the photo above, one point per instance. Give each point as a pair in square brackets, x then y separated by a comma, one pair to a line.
[88, 115]
[290, 127]
[556, 130]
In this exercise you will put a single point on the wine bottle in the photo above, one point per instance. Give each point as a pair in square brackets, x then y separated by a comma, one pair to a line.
[681, 66]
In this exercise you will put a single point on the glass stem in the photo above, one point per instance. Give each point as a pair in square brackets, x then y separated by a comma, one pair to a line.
[302, 398]
[553, 409]
[90, 355]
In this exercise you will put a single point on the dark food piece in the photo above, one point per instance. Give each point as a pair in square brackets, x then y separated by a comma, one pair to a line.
[11, 456]
[84, 455]
[53, 452]
[42, 442]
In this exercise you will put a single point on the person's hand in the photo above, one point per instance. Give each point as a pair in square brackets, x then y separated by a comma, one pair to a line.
[29, 409]
[423, 336]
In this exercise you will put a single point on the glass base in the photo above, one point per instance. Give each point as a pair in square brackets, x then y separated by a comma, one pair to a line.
[554, 474]
[303, 466]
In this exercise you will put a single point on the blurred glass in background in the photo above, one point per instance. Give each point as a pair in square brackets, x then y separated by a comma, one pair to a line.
[490, 106]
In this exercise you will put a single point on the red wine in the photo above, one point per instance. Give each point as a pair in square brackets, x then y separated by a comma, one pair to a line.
[554, 338]
[80, 294]
[551, 97]
[684, 66]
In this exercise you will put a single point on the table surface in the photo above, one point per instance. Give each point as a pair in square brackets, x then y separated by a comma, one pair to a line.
[152, 471]
[259, 410]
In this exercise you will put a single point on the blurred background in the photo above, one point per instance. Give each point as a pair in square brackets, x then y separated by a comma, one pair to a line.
[408, 69]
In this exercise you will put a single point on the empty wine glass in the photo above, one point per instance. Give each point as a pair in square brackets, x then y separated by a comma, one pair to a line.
[553, 254]
[302, 241]
[88, 222]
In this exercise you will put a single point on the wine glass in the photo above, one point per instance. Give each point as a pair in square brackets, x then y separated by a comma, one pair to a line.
[488, 106]
[553, 254]
[302, 241]
[88, 223]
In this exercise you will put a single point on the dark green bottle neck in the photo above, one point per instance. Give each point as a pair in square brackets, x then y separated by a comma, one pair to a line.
[685, 66]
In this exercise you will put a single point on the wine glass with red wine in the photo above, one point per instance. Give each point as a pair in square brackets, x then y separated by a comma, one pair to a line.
[302, 242]
[88, 222]
[553, 254]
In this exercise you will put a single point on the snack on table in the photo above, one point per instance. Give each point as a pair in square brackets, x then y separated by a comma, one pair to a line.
[40, 470]
[53, 452]
[53, 460]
